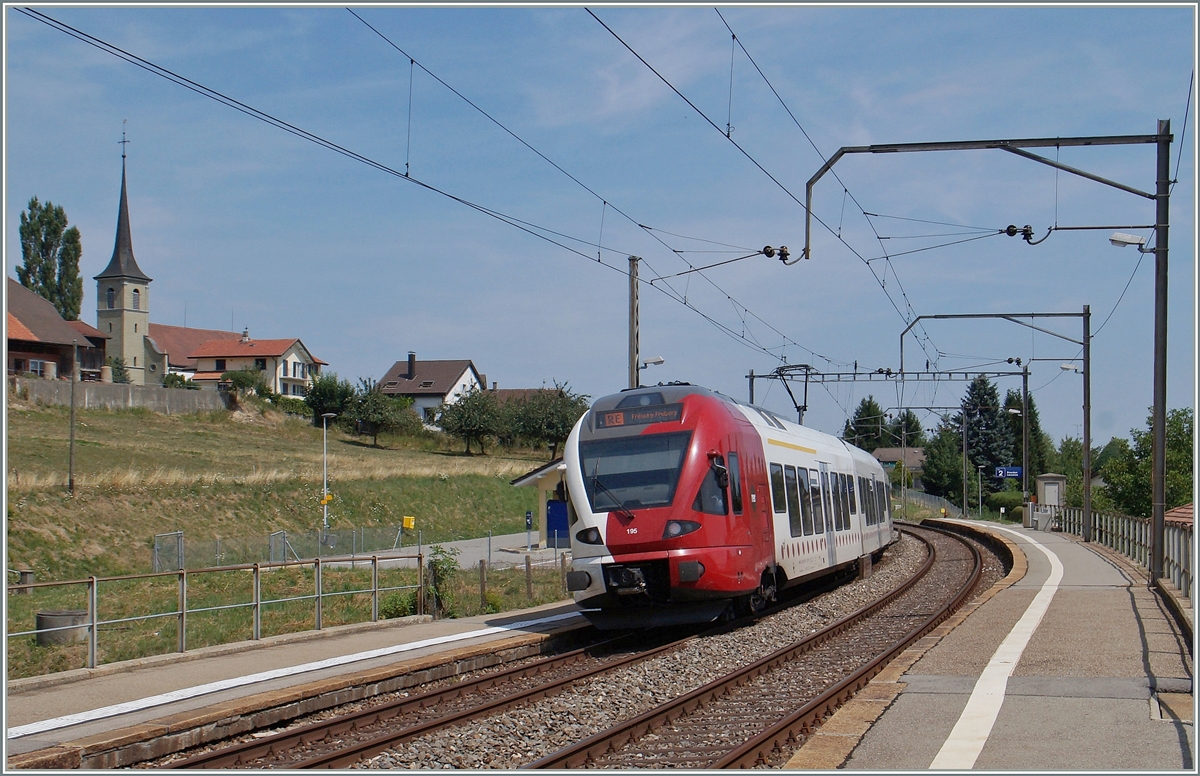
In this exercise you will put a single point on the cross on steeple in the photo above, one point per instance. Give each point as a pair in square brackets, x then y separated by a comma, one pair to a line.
[123, 142]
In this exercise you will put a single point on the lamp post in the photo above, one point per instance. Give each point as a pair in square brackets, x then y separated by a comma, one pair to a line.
[653, 361]
[71, 453]
[325, 416]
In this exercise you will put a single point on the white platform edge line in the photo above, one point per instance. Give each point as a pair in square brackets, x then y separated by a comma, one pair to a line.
[239, 681]
[974, 726]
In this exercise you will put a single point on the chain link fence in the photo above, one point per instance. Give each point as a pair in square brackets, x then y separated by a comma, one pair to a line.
[173, 551]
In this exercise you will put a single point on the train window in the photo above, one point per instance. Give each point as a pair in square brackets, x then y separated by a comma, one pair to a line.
[853, 502]
[814, 488]
[868, 517]
[793, 503]
[735, 484]
[845, 501]
[883, 502]
[710, 499]
[836, 491]
[777, 490]
[806, 502]
[632, 472]
[829, 516]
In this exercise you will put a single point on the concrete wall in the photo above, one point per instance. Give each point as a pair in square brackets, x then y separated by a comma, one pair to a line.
[168, 401]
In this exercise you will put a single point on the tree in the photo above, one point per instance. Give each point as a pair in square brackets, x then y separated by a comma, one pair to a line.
[546, 416]
[1129, 474]
[119, 373]
[1041, 447]
[247, 380]
[473, 418]
[328, 394]
[906, 431]
[989, 435]
[50, 257]
[942, 475]
[176, 380]
[379, 413]
[866, 428]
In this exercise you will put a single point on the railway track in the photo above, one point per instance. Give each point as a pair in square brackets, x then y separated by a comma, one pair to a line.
[647, 740]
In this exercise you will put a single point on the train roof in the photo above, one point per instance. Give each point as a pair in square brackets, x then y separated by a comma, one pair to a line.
[669, 393]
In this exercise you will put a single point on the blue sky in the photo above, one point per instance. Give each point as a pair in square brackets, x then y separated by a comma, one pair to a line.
[243, 225]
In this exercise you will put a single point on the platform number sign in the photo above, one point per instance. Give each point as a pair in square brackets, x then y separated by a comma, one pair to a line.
[1008, 472]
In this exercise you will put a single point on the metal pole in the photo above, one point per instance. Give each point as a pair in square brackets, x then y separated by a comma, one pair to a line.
[71, 451]
[965, 512]
[1025, 438]
[1159, 423]
[634, 377]
[751, 386]
[804, 406]
[1086, 532]
[324, 479]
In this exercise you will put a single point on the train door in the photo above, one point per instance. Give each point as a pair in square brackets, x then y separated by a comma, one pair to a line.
[830, 519]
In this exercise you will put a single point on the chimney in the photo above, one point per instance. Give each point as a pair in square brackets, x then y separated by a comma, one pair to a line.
[494, 385]
[246, 334]
[412, 365]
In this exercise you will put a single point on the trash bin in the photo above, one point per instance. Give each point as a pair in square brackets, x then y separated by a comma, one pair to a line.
[61, 619]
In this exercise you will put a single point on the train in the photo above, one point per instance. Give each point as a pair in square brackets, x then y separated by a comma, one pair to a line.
[687, 506]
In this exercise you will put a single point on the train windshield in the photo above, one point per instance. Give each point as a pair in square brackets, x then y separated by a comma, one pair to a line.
[633, 472]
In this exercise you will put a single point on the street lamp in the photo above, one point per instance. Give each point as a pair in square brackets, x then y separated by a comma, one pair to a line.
[325, 416]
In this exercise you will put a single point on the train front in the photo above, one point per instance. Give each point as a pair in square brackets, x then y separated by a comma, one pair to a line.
[651, 537]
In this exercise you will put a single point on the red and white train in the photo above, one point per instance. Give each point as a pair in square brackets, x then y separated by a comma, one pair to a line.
[685, 503]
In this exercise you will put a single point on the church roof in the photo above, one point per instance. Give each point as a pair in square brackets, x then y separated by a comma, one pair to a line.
[178, 342]
[122, 264]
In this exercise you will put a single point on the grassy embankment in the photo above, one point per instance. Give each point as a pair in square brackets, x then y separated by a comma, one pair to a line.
[223, 475]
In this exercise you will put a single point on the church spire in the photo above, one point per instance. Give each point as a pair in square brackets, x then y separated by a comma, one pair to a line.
[122, 264]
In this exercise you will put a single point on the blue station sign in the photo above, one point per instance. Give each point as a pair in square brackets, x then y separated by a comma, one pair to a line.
[1008, 472]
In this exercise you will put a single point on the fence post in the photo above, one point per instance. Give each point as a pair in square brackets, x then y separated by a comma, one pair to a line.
[374, 588]
[528, 578]
[420, 583]
[182, 610]
[318, 576]
[93, 602]
[482, 585]
[257, 603]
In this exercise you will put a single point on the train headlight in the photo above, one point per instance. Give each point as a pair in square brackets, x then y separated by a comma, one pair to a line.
[679, 528]
[590, 536]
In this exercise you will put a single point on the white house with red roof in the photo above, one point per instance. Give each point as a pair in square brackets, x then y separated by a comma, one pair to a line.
[287, 364]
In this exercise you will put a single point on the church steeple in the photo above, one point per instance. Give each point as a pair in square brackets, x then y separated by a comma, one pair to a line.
[122, 264]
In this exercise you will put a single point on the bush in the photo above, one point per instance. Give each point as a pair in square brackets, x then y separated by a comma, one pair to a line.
[398, 604]
[292, 405]
[175, 380]
[1009, 499]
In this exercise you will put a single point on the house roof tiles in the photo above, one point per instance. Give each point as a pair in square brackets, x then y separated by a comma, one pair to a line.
[39, 320]
[178, 342]
[432, 378]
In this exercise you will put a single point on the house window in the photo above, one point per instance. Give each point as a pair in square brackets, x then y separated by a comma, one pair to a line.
[154, 367]
[283, 372]
[260, 364]
[220, 365]
[111, 296]
[135, 325]
[427, 383]
[110, 327]
[135, 360]
[137, 299]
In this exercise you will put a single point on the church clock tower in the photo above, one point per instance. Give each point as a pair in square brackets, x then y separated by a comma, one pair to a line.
[123, 299]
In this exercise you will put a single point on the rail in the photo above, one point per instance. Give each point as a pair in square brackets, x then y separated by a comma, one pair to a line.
[256, 604]
[1130, 536]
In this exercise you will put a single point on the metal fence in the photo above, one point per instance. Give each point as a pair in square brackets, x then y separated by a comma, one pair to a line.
[179, 612]
[1130, 536]
[173, 551]
[934, 503]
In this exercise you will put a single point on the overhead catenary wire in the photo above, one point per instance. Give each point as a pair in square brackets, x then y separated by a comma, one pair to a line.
[525, 226]
[680, 297]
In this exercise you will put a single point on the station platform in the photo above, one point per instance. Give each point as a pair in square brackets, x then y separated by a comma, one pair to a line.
[1070, 663]
[1095, 674]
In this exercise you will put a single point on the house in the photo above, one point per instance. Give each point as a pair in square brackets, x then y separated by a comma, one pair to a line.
[288, 365]
[42, 343]
[153, 350]
[913, 457]
[431, 383]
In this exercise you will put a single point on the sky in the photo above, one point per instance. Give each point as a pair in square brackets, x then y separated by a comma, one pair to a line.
[502, 163]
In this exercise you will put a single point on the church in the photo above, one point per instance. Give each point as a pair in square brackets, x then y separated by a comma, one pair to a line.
[153, 350]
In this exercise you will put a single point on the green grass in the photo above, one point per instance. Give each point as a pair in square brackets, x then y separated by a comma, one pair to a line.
[231, 477]
[138, 474]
